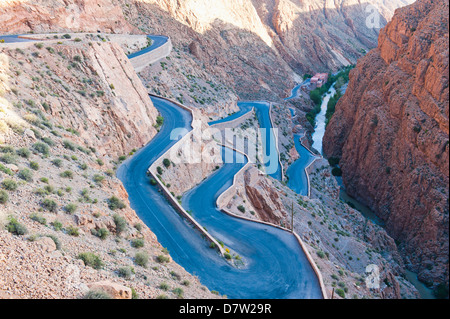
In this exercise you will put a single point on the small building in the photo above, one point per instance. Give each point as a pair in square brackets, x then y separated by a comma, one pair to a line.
[319, 79]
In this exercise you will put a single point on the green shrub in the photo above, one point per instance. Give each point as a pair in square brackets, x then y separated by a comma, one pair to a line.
[178, 292]
[166, 163]
[96, 294]
[141, 259]
[48, 141]
[84, 166]
[121, 224]
[321, 254]
[23, 152]
[241, 209]
[38, 218]
[7, 149]
[69, 145]
[109, 172]
[340, 293]
[16, 228]
[41, 148]
[57, 162]
[115, 203]
[91, 260]
[125, 272]
[101, 233]
[57, 225]
[8, 158]
[137, 243]
[3, 197]
[164, 286]
[73, 231]
[98, 178]
[49, 205]
[34, 166]
[159, 121]
[316, 97]
[9, 184]
[67, 174]
[6, 170]
[26, 175]
[70, 208]
[162, 259]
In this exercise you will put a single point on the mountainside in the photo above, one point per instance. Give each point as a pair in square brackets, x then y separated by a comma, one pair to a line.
[70, 112]
[267, 42]
[22, 16]
[390, 131]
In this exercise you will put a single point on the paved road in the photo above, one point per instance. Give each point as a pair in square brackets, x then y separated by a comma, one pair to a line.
[158, 41]
[262, 110]
[294, 92]
[298, 180]
[276, 265]
[13, 39]
[243, 109]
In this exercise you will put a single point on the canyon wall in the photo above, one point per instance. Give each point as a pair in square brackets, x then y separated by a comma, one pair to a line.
[255, 47]
[390, 131]
[258, 47]
[40, 16]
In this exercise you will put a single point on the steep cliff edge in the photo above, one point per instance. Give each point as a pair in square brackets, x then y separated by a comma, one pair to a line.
[390, 131]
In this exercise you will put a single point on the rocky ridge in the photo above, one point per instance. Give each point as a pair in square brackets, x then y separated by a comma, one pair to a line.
[390, 131]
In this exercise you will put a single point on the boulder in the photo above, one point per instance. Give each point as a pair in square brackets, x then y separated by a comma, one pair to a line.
[116, 291]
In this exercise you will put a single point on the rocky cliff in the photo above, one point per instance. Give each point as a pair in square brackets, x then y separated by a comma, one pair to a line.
[68, 110]
[22, 16]
[390, 131]
[266, 42]
[81, 86]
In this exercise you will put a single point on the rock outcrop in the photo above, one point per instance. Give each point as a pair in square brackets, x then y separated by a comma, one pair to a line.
[19, 16]
[390, 131]
[91, 89]
[266, 41]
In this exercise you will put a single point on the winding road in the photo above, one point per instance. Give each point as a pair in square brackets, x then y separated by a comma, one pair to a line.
[275, 266]
[157, 41]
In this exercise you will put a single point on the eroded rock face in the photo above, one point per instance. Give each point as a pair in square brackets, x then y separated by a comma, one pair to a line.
[256, 46]
[90, 95]
[391, 132]
[264, 198]
[19, 16]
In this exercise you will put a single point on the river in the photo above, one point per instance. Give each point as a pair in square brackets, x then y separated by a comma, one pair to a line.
[319, 130]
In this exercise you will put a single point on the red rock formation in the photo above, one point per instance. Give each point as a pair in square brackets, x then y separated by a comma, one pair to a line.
[391, 132]
[21, 16]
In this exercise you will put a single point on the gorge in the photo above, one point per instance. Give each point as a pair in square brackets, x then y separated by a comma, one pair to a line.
[72, 98]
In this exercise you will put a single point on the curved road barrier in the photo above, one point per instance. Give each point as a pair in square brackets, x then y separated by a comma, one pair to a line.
[160, 48]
